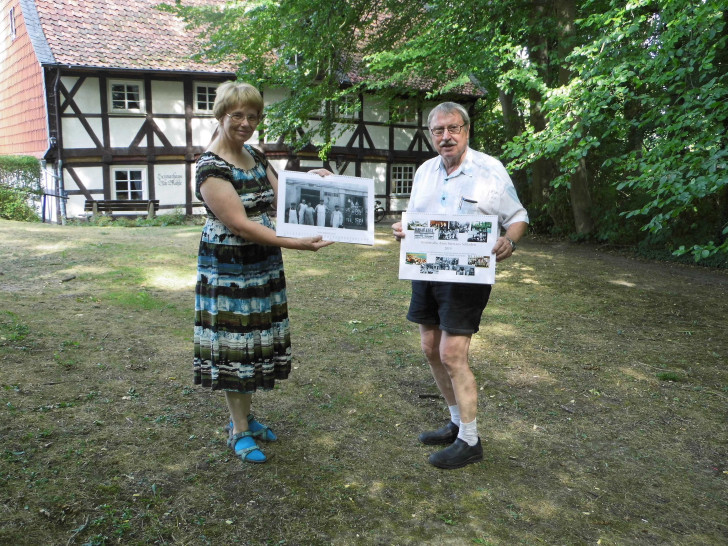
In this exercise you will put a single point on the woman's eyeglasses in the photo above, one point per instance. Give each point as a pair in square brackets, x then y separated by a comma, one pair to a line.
[452, 129]
[252, 119]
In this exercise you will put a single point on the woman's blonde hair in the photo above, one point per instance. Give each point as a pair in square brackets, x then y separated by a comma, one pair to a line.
[231, 95]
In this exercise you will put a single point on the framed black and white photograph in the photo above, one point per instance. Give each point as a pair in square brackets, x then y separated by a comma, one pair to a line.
[339, 208]
[448, 248]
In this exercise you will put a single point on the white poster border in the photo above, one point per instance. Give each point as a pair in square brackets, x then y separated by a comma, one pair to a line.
[353, 195]
[448, 247]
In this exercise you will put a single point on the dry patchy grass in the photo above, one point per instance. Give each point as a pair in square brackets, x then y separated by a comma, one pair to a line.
[603, 402]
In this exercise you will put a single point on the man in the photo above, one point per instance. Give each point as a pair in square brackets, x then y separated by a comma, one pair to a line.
[292, 214]
[302, 211]
[337, 218]
[308, 215]
[449, 313]
[321, 214]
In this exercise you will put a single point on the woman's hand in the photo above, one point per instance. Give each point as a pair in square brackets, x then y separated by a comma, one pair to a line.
[397, 231]
[321, 172]
[313, 243]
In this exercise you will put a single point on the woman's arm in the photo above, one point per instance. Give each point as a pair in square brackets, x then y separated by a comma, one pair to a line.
[225, 204]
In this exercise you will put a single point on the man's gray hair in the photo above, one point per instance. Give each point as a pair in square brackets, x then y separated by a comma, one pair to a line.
[449, 108]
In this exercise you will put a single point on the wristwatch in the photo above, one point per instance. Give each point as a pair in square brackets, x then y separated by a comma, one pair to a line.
[513, 245]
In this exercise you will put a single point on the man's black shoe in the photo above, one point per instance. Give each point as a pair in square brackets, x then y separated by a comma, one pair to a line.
[442, 436]
[457, 455]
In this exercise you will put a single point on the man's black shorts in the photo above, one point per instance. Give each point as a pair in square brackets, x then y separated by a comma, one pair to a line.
[455, 307]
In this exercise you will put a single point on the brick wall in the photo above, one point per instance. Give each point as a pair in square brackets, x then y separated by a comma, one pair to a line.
[23, 129]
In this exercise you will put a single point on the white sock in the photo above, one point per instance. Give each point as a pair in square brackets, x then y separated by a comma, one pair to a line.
[454, 414]
[469, 432]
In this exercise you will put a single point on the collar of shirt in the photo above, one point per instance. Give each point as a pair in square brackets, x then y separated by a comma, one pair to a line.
[466, 167]
[449, 187]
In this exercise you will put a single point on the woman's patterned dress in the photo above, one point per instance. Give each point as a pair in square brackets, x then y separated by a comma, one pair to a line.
[242, 336]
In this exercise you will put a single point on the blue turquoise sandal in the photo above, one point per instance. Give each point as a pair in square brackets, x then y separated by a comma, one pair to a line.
[259, 430]
[245, 447]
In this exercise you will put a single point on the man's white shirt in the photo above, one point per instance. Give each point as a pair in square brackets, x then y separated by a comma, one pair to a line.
[480, 178]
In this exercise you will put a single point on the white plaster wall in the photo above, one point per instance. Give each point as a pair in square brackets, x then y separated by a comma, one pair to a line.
[378, 172]
[76, 136]
[255, 139]
[92, 178]
[341, 131]
[380, 136]
[274, 94]
[403, 137]
[122, 131]
[429, 135]
[278, 164]
[375, 109]
[350, 170]
[87, 97]
[169, 184]
[173, 129]
[74, 206]
[202, 130]
[426, 109]
[198, 209]
[168, 97]
[311, 125]
[398, 203]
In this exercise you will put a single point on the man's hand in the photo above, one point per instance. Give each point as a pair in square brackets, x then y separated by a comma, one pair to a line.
[397, 231]
[502, 249]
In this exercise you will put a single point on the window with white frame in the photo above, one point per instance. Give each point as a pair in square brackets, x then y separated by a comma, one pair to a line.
[126, 96]
[205, 97]
[402, 177]
[295, 61]
[129, 183]
[347, 108]
[13, 28]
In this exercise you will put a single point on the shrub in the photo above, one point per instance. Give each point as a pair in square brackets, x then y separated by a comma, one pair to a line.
[20, 188]
[15, 205]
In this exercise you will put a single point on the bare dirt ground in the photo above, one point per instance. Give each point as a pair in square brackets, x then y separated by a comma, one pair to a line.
[603, 402]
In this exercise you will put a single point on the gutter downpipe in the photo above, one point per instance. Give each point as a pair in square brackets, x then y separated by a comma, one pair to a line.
[59, 163]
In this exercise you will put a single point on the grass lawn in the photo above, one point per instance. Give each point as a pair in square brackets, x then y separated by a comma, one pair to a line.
[602, 406]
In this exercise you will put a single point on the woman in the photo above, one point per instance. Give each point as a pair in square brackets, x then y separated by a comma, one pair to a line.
[242, 337]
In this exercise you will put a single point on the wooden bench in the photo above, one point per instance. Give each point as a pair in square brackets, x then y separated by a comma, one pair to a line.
[150, 206]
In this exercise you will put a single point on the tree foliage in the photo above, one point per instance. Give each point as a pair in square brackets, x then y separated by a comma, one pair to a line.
[612, 115]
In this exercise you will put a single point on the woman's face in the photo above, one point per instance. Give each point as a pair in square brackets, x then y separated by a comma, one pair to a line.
[239, 123]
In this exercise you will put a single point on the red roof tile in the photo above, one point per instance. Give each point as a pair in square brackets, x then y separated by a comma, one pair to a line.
[131, 34]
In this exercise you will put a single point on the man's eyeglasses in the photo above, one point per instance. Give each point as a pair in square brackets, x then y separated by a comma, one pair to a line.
[452, 129]
[252, 119]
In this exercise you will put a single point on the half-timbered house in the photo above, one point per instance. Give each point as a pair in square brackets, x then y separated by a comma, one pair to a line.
[108, 96]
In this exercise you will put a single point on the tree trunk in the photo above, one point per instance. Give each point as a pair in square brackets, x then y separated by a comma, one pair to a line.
[514, 127]
[581, 204]
[542, 169]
